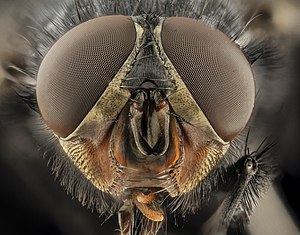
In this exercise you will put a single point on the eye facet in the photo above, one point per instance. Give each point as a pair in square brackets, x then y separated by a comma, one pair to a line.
[215, 71]
[77, 69]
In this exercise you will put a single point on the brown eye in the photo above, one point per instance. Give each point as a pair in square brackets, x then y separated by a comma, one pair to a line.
[215, 71]
[77, 69]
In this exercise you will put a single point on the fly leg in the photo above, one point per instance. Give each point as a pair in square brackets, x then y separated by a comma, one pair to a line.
[244, 182]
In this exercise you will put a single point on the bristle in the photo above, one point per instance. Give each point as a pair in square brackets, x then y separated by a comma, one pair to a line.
[78, 186]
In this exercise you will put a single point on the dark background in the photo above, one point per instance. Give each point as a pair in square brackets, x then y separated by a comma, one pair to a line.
[32, 201]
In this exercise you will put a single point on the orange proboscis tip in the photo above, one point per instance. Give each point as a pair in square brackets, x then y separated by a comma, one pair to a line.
[142, 198]
[141, 202]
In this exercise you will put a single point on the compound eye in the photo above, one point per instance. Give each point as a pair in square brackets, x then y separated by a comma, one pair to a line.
[78, 67]
[215, 71]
